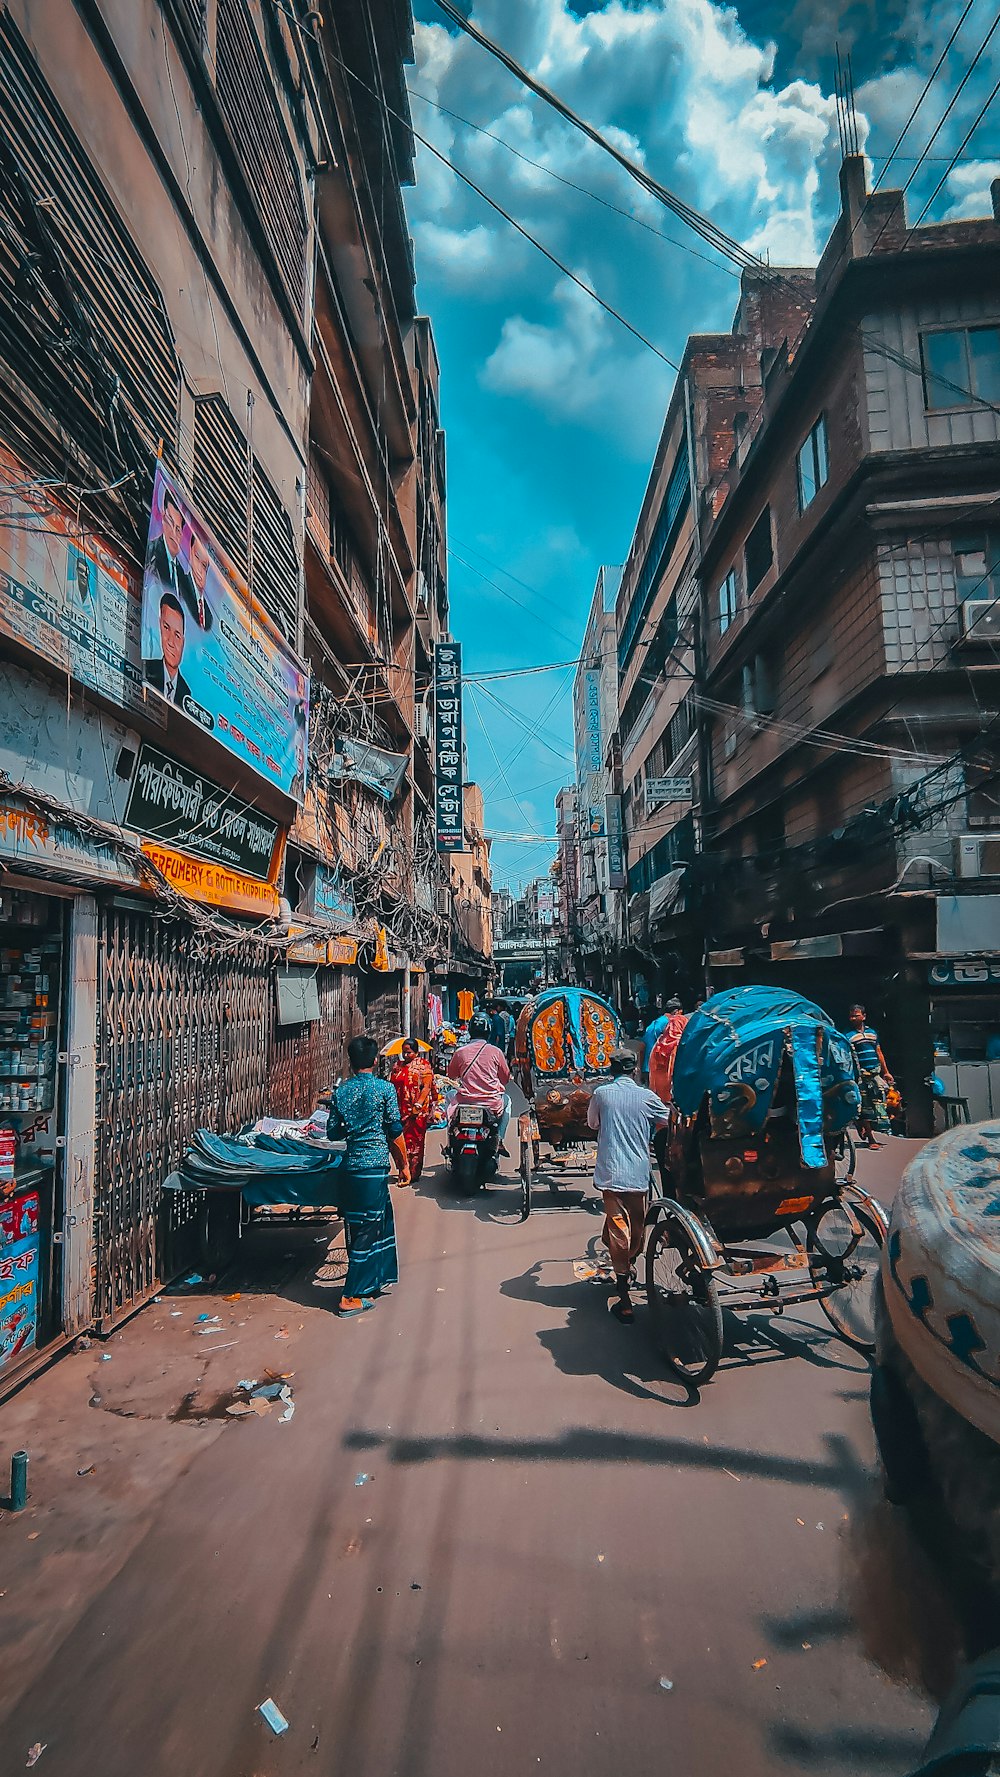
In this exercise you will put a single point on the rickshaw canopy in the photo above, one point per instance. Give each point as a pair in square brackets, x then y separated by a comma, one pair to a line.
[567, 1030]
[732, 1051]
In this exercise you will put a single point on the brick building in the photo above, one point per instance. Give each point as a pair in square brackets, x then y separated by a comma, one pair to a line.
[849, 680]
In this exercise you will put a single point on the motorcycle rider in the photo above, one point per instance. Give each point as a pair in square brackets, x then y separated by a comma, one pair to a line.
[481, 1070]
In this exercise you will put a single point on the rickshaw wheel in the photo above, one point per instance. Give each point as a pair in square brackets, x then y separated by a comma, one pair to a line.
[851, 1263]
[526, 1169]
[684, 1311]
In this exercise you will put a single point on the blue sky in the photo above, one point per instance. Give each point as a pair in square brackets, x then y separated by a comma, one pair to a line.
[552, 410]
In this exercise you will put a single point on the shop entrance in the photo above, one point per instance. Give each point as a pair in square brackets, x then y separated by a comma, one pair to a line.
[32, 1110]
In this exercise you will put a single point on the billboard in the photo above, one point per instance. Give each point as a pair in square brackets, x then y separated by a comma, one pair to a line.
[210, 649]
[64, 595]
[449, 822]
[170, 802]
[616, 842]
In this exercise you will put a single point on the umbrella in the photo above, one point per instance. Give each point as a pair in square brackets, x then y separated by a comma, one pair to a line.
[396, 1046]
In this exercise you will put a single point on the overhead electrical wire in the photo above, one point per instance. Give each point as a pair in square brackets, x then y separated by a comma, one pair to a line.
[702, 225]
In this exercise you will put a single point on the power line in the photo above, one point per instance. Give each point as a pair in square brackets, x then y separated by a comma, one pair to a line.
[629, 215]
[702, 225]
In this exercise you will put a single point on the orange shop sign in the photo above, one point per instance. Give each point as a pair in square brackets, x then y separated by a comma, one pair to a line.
[214, 883]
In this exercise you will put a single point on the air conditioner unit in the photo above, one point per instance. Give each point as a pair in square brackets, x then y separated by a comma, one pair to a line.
[421, 722]
[978, 855]
[442, 900]
[979, 621]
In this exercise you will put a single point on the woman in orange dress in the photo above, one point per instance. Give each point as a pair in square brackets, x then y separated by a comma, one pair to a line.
[414, 1083]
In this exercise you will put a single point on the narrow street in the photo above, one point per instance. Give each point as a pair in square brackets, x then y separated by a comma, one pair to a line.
[489, 1531]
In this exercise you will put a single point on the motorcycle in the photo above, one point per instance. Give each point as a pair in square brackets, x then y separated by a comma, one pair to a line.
[473, 1145]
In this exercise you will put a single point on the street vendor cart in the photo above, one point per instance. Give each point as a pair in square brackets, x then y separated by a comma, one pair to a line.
[752, 1214]
[562, 1050]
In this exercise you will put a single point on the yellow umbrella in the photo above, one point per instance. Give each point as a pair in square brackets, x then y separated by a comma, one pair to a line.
[396, 1046]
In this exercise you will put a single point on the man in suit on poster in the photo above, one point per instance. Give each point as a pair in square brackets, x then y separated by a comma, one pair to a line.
[164, 559]
[165, 675]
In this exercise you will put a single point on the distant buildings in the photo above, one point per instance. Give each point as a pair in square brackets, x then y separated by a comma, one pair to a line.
[808, 709]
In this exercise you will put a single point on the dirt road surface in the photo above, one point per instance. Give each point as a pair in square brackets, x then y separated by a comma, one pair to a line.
[487, 1535]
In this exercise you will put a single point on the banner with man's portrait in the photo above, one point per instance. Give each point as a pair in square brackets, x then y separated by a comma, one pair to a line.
[210, 649]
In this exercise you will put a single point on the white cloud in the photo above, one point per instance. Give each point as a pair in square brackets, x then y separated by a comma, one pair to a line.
[575, 369]
[968, 189]
[463, 256]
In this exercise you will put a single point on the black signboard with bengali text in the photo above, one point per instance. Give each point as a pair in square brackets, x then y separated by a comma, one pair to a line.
[170, 802]
[448, 764]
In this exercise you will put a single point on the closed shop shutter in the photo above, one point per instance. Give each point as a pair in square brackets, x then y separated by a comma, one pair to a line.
[182, 1045]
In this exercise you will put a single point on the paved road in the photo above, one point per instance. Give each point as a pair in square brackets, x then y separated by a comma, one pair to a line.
[546, 1531]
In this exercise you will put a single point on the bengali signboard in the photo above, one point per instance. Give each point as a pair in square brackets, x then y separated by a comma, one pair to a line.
[448, 771]
[170, 802]
[64, 595]
[958, 972]
[29, 838]
[213, 883]
[595, 751]
[616, 842]
[19, 1238]
[210, 649]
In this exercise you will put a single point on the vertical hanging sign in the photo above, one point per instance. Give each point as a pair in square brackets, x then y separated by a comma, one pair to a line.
[448, 820]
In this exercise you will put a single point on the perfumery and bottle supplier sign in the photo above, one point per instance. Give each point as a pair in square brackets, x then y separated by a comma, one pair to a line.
[170, 802]
[448, 770]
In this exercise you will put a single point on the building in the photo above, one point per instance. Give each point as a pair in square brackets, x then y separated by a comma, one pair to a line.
[468, 966]
[717, 392]
[221, 526]
[527, 955]
[566, 872]
[598, 918]
[850, 585]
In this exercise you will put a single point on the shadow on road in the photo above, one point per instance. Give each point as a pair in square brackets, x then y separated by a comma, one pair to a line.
[845, 1749]
[592, 1342]
[841, 1471]
[760, 1338]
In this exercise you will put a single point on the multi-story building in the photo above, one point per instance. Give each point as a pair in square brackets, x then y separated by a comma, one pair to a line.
[220, 472]
[598, 921]
[851, 595]
[468, 966]
[566, 870]
[717, 391]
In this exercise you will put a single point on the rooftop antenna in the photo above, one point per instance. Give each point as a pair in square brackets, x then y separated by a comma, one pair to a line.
[847, 116]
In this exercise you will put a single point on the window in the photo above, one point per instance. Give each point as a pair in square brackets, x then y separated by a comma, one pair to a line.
[757, 687]
[759, 551]
[813, 464]
[728, 601]
[961, 366]
[977, 565]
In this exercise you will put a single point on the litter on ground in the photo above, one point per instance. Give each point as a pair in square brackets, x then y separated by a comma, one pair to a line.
[273, 1716]
[35, 1753]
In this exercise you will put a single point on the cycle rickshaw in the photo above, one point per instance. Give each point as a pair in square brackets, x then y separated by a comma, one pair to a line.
[763, 1086]
[562, 1050]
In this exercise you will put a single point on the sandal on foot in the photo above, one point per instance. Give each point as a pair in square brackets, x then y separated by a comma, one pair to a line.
[623, 1311]
[357, 1305]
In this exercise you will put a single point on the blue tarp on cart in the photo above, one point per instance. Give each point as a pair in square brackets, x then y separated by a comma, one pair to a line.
[267, 1169]
[732, 1049]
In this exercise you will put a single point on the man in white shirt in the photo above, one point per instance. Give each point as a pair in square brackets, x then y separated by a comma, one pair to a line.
[625, 1115]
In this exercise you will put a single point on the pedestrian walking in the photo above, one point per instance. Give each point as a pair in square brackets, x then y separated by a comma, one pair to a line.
[625, 1116]
[926, 1547]
[364, 1113]
[413, 1079]
[664, 1051]
[658, 1021]
[874, 1078]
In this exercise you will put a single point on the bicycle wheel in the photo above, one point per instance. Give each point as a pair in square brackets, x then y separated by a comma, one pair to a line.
[844, 1259]
[683, 1299]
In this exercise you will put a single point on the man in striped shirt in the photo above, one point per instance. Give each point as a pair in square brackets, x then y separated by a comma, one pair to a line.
[625, 1115]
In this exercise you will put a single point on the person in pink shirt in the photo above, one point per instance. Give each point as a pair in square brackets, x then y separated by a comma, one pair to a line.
[481, 1070]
